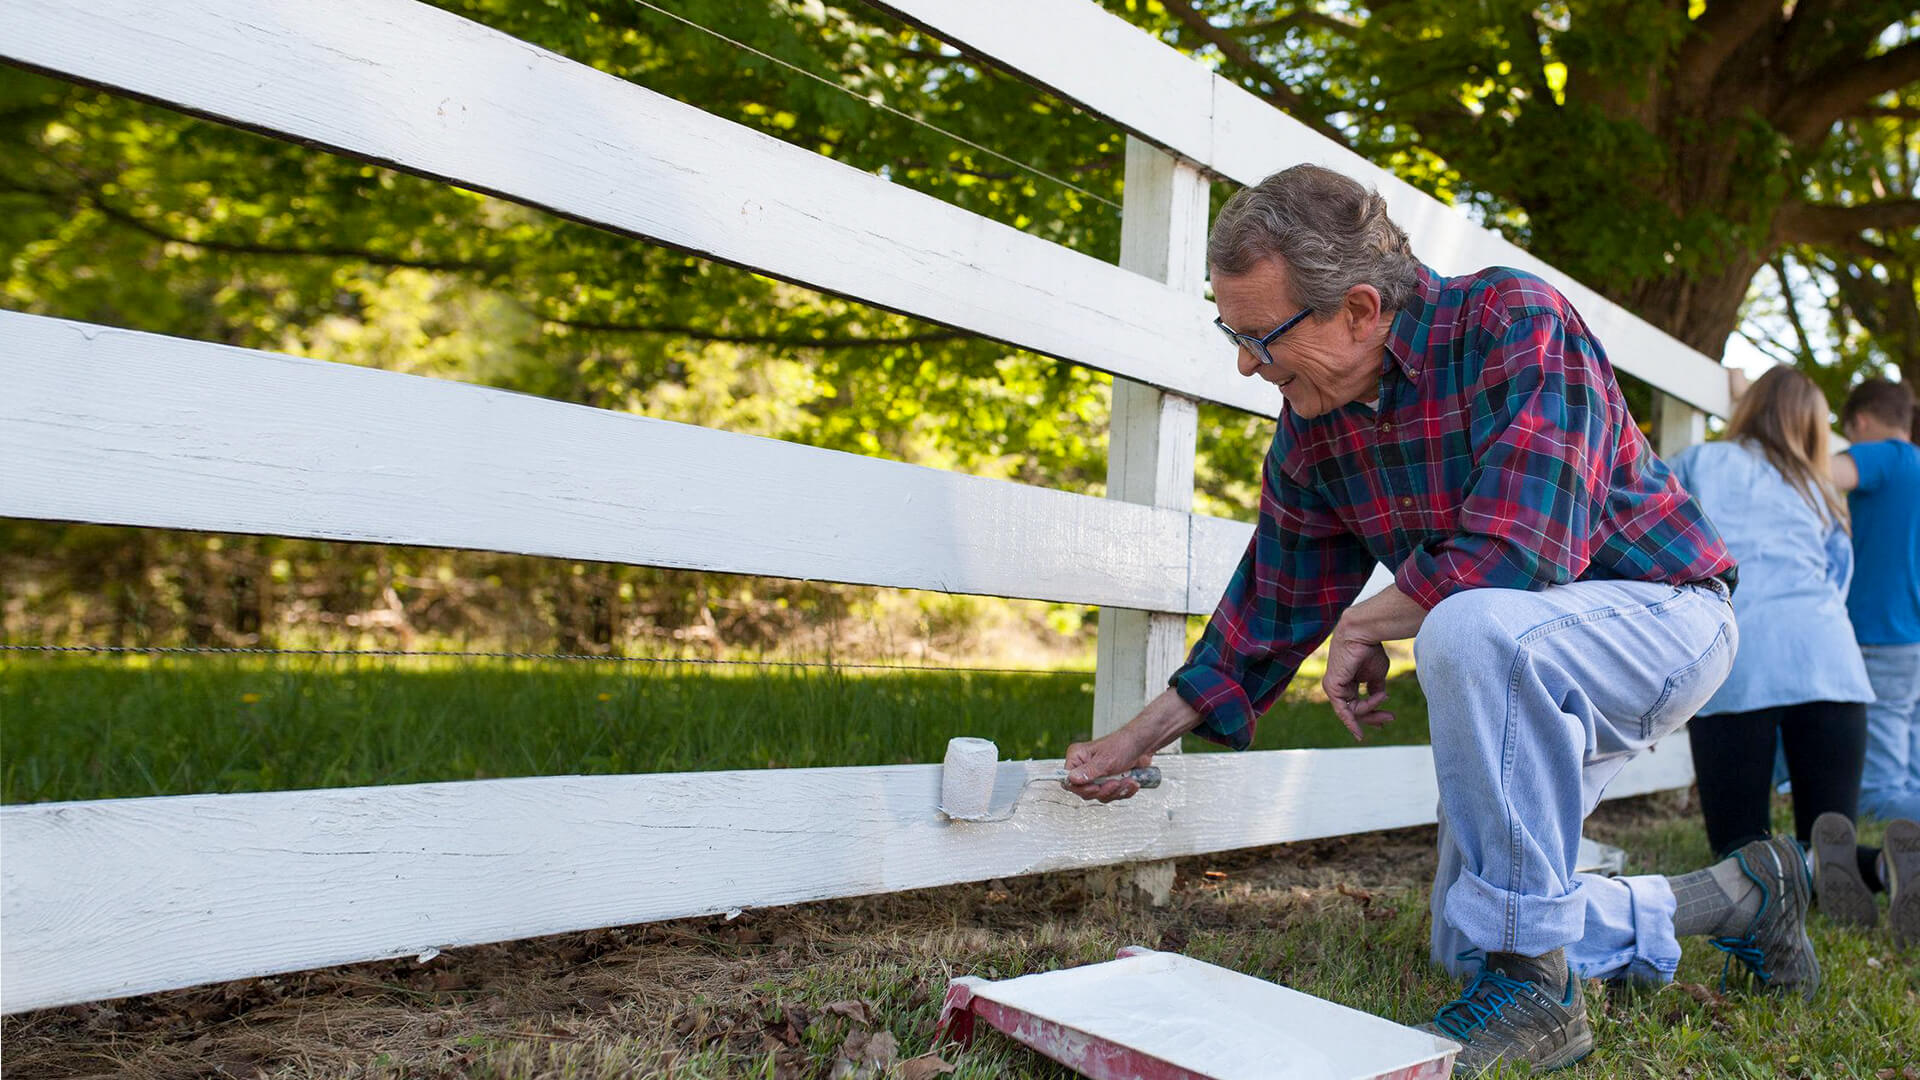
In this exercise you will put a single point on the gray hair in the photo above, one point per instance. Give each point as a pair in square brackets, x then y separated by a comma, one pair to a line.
[1333, 233]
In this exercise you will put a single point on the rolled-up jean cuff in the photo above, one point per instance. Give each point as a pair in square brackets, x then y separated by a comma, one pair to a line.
[1656, 951]
[1498, 920]
[1652, 954]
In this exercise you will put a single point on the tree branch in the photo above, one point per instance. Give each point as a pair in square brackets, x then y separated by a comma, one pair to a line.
[1275, 93]
[1716, 34]
[1302, 17]
[1888, 112]
[89, 199]
[697, 334]
[1841, 87]
[371, 258]
[1768, 345]
[1841, 226]
[1779, 265]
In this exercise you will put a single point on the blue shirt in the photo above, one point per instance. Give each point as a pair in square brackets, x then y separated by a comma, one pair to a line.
[1796, 644]
[1885, 601]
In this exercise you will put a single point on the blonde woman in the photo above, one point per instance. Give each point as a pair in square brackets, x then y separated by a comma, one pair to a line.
[1798, 678]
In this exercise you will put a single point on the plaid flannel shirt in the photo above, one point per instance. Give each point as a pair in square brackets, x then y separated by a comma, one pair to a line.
[1500, 456]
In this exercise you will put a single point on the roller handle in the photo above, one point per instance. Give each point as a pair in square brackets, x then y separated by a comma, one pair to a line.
[1146, 777]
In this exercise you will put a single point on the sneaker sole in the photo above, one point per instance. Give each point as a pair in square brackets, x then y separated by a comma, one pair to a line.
[1843, 895]
[1573, 1054]
[1902, 852]
[1578, 1049]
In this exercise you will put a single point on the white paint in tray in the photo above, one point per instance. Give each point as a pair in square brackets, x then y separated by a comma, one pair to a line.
[1218, 1022]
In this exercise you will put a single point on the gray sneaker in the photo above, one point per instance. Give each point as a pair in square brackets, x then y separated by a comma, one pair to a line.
[1844, 895]
[1511, 1011]
[1900, 855]
[1775, 947]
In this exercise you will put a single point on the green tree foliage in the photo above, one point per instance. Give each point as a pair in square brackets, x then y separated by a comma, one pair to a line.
[127, 214]
[1841, 314]
[1660, 151]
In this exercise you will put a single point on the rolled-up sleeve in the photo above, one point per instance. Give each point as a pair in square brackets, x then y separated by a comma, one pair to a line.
[1300, 571]
[1542, 450]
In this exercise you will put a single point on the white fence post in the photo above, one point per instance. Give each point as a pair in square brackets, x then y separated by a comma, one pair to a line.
[1676, 424]
[1150, 448]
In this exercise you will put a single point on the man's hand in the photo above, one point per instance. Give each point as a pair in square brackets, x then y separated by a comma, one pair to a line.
[1105, 756]
[1356, 681]
[1165, 719]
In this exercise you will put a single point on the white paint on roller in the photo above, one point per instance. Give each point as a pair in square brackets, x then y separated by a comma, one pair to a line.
[967, 777]
[1216, 1022]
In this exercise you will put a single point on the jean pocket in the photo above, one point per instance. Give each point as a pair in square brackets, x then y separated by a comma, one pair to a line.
[1688, 688]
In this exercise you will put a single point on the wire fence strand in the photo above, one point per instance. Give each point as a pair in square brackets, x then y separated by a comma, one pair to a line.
[1031, 170]
[469, 654]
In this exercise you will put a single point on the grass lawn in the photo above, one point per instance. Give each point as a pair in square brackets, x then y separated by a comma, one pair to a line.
[812, 990]
[79, 727]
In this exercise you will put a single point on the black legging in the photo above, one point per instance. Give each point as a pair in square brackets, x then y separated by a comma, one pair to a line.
[1825, 743]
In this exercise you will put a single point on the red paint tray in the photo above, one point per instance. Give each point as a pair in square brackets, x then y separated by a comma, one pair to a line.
[1162, 1016]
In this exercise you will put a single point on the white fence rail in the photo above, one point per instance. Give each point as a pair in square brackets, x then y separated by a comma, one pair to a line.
[120, 427]
[104, 899]
[104, 425]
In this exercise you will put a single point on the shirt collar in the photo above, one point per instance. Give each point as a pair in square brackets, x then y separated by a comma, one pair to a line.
[1413, 324]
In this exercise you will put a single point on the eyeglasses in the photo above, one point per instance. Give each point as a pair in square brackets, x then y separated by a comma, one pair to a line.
[1258, 345]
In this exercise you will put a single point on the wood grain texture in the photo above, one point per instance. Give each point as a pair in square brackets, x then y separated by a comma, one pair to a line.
[104, 899]
[1243, 138]
[404, 84]
[120, 427]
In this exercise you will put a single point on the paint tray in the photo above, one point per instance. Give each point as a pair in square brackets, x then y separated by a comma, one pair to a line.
[1162, 1016]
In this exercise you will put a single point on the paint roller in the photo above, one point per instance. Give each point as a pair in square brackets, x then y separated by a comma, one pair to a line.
[967, 776]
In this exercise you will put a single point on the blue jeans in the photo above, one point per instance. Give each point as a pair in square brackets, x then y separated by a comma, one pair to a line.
[1890, 783]
[1537, 700]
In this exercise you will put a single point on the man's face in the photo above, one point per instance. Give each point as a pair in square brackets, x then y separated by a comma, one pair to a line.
[1318, 366]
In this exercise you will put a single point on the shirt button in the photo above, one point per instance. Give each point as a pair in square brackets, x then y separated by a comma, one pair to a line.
[1406, 500]
[1388, 426]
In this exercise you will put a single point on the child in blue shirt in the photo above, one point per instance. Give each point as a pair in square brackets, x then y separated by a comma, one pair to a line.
[1881, 474]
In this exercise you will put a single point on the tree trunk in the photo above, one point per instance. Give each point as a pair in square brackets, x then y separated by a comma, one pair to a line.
[1701, 311]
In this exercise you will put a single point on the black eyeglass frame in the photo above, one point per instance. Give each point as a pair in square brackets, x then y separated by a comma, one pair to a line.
[1258, 345]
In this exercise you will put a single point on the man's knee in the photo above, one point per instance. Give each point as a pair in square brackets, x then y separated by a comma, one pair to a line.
[1461, 636]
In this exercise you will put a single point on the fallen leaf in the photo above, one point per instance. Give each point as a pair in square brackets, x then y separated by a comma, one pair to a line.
[1704, 995]
[865, 1055]
[882, 1049]
[858, 1011]
[790, 1027]
[923, 1067]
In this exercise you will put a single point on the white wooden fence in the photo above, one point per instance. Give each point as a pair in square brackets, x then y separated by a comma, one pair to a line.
[103, 899]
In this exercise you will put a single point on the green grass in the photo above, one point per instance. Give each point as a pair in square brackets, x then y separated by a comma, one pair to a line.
[78, 727]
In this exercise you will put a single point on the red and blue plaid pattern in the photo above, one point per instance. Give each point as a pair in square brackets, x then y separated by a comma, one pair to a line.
[1501, 457]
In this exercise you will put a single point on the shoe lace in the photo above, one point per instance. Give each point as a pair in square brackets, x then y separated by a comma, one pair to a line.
[1746, 948]
[1481, 1002]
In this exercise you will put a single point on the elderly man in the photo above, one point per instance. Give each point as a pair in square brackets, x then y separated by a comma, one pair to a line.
[1569, 603]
